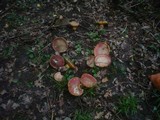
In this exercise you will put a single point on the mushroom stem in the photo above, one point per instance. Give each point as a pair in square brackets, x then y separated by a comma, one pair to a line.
[74, 27]
[69, 63]
[101, 26]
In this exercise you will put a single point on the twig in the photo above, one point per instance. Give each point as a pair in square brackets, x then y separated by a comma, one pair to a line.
[136, 4]
[113, 113]
[52, 115]
[124, 29]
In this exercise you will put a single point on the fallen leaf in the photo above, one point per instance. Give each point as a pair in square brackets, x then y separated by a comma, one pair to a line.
[98, 115]
[104, 80]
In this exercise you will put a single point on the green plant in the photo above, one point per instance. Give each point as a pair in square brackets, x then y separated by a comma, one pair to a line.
[91, 92]
[94, 36]
[30, 84]
[61, 85]
[82, 115]
[118, 68]
[14, 19]
[156, 108]
[25, 4]
[88, 52]
[8, 51]
[95, 70]
[69, 74]
[127, 105]
[78, 48]
[102, 31]
[37, 55]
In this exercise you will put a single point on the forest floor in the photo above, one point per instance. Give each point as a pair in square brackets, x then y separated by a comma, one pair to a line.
[27, 88]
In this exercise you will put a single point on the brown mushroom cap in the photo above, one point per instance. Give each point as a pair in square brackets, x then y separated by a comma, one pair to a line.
[58, 76]
[102, 60]
[90, 61]
[74, 23]
[88, 80]
[155, 79]
[102, 48]
[56, 61]
[74, 87]
[103, 22]
[59, 44]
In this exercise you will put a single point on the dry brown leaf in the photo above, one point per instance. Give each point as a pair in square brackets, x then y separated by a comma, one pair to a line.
[104, 80]
[98, 115]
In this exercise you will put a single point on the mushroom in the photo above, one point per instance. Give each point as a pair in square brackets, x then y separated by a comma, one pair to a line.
[56, 61]
[59, 44]
[102, 60]
[74, 87]
[74, 25]
[88, 80]
[90, 61]
[102, 48]
[102, 23]
[58, 76]
[69, 63]
[155, 79]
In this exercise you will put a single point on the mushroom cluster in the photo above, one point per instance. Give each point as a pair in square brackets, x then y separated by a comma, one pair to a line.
[59, 44]
[75, 84]
[101, 56]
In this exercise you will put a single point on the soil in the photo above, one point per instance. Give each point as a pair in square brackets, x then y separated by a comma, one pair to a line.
[27, 87]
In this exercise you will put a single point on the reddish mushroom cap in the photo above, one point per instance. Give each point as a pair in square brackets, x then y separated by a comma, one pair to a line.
[56, 61]
[74, 87]
[102, 60]
[155, 79]
[59, 44]
[88, 80]
[102, 48]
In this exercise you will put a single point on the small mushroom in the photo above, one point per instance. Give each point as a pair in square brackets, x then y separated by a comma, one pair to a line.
[88, 80]
[74, 87]
[59, 44]
[102, 23]
[90, 61]
[74, 25]
[56, 61]
[58, 76]
[102, 48]
[69, 63]
[102, 60]
[155, 79]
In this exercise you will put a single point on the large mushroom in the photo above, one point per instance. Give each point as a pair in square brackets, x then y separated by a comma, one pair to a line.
[56, 61]
[88, 80]
[102, 48]
[155, 79]
[59, 44]
[102, 60]
[74, 87]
